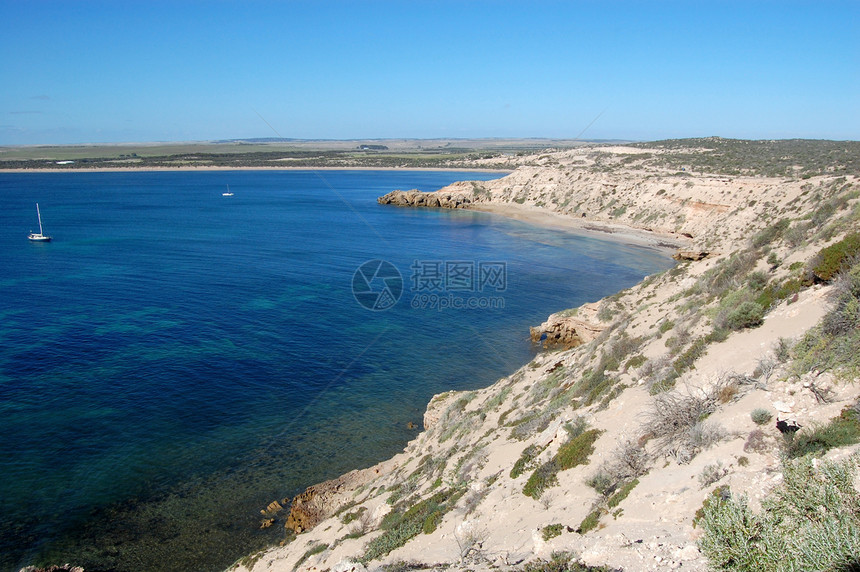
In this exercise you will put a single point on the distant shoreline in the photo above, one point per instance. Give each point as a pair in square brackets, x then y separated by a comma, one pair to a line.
[214, 168]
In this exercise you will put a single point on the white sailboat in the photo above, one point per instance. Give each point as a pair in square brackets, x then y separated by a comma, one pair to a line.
[228, 193]
[39, 236]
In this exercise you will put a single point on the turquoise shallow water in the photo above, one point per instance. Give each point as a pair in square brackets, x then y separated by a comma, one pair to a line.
[174, 360]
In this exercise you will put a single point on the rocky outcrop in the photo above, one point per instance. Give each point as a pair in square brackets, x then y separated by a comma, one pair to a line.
[319, 501]
[691, 255]
[416, 198]
[565, 331]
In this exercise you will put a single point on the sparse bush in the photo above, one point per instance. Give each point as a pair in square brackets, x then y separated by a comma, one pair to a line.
[761, 416]
[532, 424]
[843, 318]
[602, 482]
[711, 474]
[561, 562]
[764, 368]
[313, 550]
[757, 280]
[782, 351]
[673, 415]
[727, 392]
[704, 435]
[756, 442]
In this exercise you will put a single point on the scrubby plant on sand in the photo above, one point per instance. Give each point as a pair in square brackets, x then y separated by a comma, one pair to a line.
[840, 431]
[809, 522]
[571, 454]
[761, 416]
[678, 423]
[403, 524]
[833, 259]
[834, 342]
[561, 562]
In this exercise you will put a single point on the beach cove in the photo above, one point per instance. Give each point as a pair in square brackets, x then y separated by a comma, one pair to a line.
[199, 365]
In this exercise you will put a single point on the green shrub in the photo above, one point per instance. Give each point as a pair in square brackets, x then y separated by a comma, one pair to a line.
[761, 416]
[748, 315]
[622, 493]
[665, 326]
[526, 457]
[811, 521]
[840, 431]
[542, 478]
[573, 453]
[635, 362]
[757, 280]
[402, 525]
[831, 260]
[576, 451]
[550, 531]
[313, 550]
[590, 522]
[686, 360]
[561, 562]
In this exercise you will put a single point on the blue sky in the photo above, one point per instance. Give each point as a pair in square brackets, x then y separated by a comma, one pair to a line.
[121, 71]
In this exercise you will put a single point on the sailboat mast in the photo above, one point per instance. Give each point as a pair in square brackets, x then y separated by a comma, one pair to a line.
[39, 214]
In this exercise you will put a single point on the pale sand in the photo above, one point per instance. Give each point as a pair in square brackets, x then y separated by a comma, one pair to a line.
[556, 221]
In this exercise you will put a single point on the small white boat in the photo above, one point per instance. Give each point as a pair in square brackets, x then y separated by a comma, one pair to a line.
[39, 236]
[228, 193]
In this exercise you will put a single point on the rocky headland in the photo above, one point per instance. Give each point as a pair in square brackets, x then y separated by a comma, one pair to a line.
[645, 412]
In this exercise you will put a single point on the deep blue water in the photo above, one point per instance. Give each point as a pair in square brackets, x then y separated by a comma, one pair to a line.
[174, 360]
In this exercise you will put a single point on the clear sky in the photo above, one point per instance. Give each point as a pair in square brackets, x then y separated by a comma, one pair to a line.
[82, 71]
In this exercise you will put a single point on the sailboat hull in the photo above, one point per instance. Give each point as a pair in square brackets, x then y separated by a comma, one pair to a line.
[39, 236]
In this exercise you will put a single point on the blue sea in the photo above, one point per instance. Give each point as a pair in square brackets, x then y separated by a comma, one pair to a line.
[174, 360]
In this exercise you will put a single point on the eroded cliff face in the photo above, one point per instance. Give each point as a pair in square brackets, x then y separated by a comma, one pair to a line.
[607, 444]
[628, 187]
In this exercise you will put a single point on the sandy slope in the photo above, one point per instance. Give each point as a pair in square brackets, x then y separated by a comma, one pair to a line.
[474, 439]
